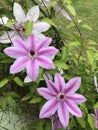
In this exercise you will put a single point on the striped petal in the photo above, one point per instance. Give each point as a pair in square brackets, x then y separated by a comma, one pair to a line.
[53, 89]
[45, 62]
[50, 51]
[49, 108]
[77, 98]
[18, 65]
[19, 43]
[63, 114]
[31, 42]
[73, 85]
[73, 108]
[59, 81]
[45, 92]
[15, 52]
[32, 69]
[44, 43]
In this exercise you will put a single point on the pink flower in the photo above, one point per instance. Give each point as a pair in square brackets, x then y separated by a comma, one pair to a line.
[96, 117]
[31, 55]
[61, 99]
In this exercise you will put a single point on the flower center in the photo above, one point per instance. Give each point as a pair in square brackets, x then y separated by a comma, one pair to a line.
[32, 52]
[61, 96]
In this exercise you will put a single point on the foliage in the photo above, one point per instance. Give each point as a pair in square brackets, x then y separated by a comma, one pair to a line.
[78, 56]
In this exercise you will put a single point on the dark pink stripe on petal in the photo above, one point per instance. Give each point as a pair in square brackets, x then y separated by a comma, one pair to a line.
[18, 65]
[44, 43]
[32, 69]
[59, 81]
[54, 90]
[49, 51]
[73, 85]
[15, 52]
[45, 92]
[77, 98]
[45, 62]
[63, 114]
[49, 108]
[20, 44]
[73, 108]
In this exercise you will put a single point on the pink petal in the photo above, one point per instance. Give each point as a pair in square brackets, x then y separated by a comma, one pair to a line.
[45, 92]
[59, 81]
[73, 85]
[49, 108]
[50, 51]
[53, 89]
[33, 69]
[19, 43]
[45, 62]
[19, 65]
[32, 42]
[77, 98]
[96, 112]
[44, 43]
[73, 108]
[63, 114]
[96, 123]
[15, 52]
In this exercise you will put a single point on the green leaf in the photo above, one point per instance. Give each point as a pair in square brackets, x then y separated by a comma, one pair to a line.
[82, 122]
[28, 27]
[35, 100]
[75, 43]
[91, 121]
[87, 27]
[61, 64]
[18, 81]
[71, 9]
[3, 82]
[11, 102]
[26, 97]
[4, 103]
[49, 21]
[96, 105]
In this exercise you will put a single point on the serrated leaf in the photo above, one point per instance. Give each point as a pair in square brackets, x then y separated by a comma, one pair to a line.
[28, 27]
[3, 82]
[91, 121]
[35, 100]
[71, 9]
[49, 21]
[18, 81]
[61, 64]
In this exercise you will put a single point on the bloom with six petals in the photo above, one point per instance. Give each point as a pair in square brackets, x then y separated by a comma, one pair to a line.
[31, 54]
[61, 98]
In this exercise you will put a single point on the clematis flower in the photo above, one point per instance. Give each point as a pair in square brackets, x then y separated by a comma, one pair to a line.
[31, 54]
[96, 117]
[18, 29]
[61, 98]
